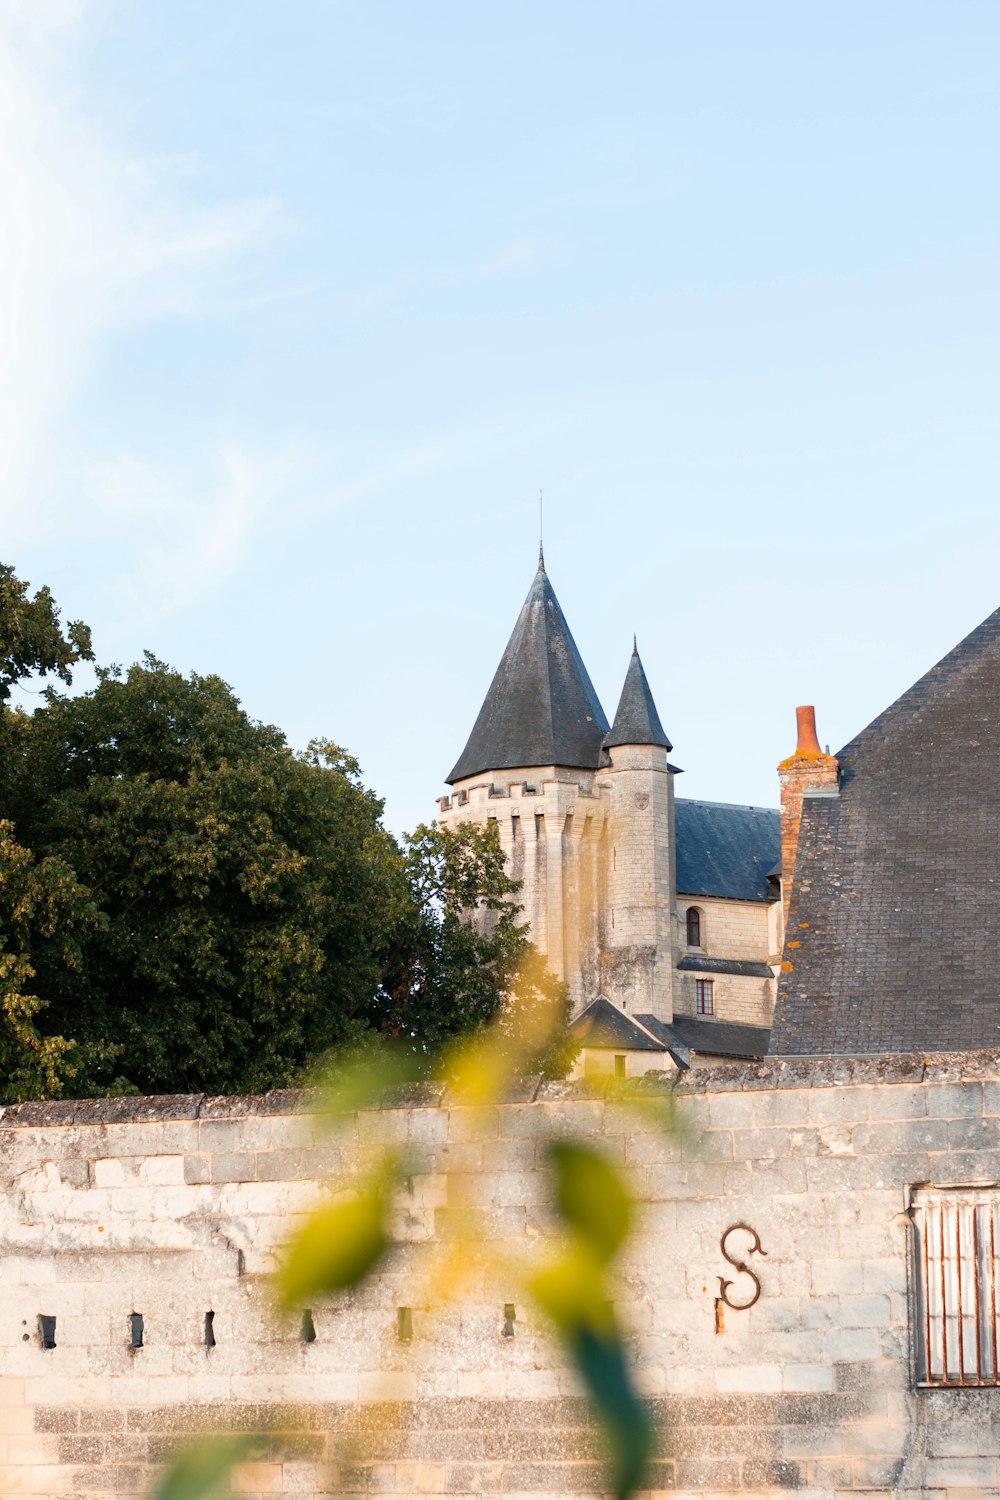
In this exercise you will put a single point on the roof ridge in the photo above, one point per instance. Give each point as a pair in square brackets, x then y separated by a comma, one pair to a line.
[730, 806]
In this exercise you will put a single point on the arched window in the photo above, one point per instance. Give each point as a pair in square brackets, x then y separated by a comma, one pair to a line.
[694, 927]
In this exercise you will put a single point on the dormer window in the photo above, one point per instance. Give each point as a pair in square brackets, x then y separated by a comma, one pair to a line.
[694, 928]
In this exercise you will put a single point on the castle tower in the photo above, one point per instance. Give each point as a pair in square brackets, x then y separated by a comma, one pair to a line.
[531, 763]
[637, 959]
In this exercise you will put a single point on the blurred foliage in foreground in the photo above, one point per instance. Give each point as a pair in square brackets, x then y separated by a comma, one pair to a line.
[568, 1276]
[186, 905]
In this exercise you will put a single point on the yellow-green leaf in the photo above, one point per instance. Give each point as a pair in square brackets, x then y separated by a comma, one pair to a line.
[336, 1247]
[201, 1466]
[571, 1291]
[350, 1083]
[591, 1197]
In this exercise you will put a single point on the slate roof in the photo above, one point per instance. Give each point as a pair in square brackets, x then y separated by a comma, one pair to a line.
[541, 708]
[744, 967]
[710, 1038]
[636, 722]
[726, 850]
[604, 1025]
[894, 928]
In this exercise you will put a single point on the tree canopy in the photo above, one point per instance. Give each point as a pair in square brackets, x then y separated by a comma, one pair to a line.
[186, 904]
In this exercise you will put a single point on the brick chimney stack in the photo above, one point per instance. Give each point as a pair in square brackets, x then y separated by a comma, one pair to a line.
[809, 767]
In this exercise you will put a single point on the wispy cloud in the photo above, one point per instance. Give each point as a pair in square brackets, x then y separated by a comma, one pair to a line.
[182, 529]
[94, 239]
[89, 239]
[182, 534]
[520, 256]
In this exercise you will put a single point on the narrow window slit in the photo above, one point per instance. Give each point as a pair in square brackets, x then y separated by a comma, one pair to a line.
[404, 1324]
[308, 1326]
[210, 1330]
[136, 1325]
[509, 1318]
[47, 1330]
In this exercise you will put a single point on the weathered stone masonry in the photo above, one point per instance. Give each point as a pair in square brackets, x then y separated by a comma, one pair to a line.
[172, 1208]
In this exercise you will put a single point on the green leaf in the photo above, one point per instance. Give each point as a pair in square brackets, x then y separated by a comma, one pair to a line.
[600, 1360]
[337, 1247]
[591, 1197]
[202, 1466]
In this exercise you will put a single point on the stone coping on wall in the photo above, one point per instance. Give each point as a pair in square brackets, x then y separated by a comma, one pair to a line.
[727, 1078]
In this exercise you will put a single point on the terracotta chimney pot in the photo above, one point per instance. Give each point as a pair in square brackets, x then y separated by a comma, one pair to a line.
[805, 722]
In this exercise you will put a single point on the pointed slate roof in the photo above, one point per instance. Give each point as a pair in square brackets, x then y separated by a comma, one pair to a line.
[541, 709]
[894, 926]
[636, 722]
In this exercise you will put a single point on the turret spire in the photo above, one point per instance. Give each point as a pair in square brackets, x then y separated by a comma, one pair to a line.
[636, 722]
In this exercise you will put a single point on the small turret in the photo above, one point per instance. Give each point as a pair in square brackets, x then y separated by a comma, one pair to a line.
[636, 956]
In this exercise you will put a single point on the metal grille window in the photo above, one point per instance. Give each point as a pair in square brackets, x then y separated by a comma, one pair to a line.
[706, 999]
[956, 1238]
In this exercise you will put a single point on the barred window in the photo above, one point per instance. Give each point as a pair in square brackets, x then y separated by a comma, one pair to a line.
[956, 1238]
[706, 1000]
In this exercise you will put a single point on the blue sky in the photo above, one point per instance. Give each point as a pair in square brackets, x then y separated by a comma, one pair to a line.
[302, 303]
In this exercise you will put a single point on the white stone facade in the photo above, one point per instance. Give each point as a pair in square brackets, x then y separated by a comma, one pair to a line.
[594, 854]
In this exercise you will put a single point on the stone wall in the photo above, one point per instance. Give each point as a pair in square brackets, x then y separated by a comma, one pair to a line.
[172, 1209]
[746, 1002]
[731, 929]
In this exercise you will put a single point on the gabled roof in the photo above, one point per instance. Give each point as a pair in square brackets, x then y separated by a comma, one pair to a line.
[636, 722]
[894, 926]
[710, 1038]
[541, 709]
[725, 850]
[604, 1025]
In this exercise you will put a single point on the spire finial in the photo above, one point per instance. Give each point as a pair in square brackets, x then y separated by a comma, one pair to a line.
[541, 533]
[635, 645]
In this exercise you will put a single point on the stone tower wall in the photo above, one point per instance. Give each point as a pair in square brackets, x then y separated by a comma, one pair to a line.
[553, 828]
[640, 936]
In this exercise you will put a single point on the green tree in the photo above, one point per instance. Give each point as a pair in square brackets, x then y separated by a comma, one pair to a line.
[247, 896]
[42, 905]
[32, 642]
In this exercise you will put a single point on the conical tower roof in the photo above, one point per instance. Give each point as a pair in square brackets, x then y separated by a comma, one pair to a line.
[541, 709]
[636, 722]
